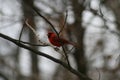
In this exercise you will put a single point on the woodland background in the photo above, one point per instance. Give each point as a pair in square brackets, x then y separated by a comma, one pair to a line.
[93, 24]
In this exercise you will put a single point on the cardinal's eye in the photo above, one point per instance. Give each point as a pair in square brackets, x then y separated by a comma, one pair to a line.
[49, 35]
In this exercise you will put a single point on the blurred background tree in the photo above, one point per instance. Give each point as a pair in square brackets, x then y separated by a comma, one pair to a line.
[92, 24]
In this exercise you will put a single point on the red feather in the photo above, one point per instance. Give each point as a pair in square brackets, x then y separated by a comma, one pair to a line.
[56, 41]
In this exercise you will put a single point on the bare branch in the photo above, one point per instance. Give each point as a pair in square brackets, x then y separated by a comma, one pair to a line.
[101, 15]
[66, 55]
[64, 22]
[33, 30]
[32, 44]
[77, 73]
[3, 76]
[52, 26]
[21, 32]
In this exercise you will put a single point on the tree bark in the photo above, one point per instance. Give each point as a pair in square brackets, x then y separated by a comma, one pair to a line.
[79, 32]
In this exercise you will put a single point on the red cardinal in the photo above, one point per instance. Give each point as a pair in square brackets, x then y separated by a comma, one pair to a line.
[56, 41]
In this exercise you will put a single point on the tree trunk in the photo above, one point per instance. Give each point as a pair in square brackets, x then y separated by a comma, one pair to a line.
[79, 31]
[29, 14]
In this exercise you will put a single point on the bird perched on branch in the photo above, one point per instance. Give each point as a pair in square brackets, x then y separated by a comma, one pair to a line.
[58, 41]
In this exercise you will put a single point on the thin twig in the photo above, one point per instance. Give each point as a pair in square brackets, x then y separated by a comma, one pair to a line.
[26, 21]
[65, 53]
[64, 22]
[36, 10]
[33, 30]
[100, 10]
[66, 56]
[21, 32]
[32, 44]
[105, 20]
[71, 49]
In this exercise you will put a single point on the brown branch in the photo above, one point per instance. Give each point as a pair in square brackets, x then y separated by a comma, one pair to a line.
[38, 13]
[64, 23]
[101, 15]
[21, 32]
[32, 44]
[65, 53]
[77, 73]
[66, 56]
[3, 76]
